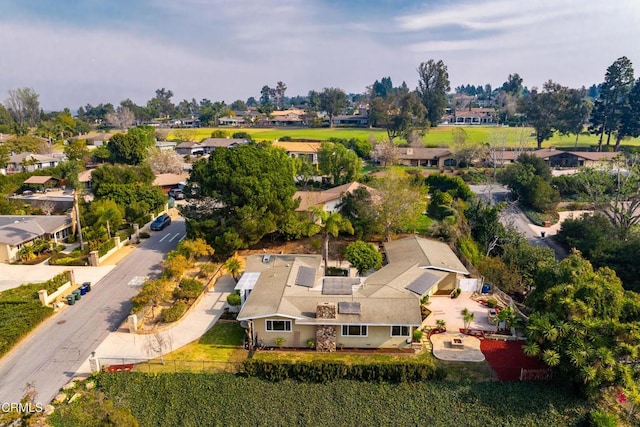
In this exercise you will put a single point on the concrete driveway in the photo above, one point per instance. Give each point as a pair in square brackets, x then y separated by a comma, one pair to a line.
[450, 310]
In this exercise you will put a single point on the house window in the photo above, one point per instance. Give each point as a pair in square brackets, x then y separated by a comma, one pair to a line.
[278, 325]
[400, 331]
[354, 331]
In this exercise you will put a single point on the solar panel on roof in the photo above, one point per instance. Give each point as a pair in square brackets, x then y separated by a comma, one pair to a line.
[338, 285]
[348, 307]
[306, 276]
[423, 283]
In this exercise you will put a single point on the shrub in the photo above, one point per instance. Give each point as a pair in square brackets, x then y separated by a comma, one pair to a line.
[417, 335]
[311, 343]
[285, 138]
[492, 303]
[234, 300]
[106, 247]
[144, 235]
[174, 312]
[602, 419]
[188, 289]
[327, 371]
[279, 341]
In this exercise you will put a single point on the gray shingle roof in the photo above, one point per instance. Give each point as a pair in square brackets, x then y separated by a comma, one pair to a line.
[19, 229]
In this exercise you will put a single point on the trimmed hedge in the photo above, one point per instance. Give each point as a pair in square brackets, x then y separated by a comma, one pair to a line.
[322, 372]
[188, 289]
[106, 247]
[174, 312]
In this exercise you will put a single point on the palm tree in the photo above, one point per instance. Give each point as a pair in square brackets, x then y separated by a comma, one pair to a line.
[233, 266]
[441, 324]
[467, 318]
[508, 316]
[330, 224]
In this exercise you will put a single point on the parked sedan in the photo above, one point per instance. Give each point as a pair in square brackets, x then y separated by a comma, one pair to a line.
[161, 222]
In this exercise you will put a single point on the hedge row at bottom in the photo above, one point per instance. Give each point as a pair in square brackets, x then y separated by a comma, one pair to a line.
[322, 372]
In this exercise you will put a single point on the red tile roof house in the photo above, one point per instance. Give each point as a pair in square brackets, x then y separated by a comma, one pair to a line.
[286, 296]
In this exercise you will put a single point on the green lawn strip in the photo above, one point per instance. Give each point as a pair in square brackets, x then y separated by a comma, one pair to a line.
[441, 136]
[219, 349]
[20, 312]
[203, 399]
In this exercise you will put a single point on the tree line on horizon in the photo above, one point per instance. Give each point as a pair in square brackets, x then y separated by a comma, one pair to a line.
[611, 109]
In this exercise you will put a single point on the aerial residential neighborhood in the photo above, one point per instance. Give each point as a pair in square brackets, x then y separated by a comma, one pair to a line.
[257, 219]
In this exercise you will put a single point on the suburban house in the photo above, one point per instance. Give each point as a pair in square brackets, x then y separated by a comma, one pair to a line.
[470, 116]
[426, 157]
[304, 150]
[41, 183]
[327, 200]
[207, 145]
[166, 145]
[560, 158]
[17, 231]
[167, 181]
[29, 162]
[231, 121]
[351, 120]
[287, 296]
[84, 178]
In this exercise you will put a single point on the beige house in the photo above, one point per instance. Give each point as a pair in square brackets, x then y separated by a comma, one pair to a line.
[17, 231]
[305, 150]
[560, 158]
[326, 200]
[426, 157]
[287, 296]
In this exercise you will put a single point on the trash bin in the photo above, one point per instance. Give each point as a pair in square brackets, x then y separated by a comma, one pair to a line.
[83, 290]
[87, 285]
[485, 288]
[71, 299]
[76, 294]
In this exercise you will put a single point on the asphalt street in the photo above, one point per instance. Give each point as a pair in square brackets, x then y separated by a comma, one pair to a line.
[49, 356]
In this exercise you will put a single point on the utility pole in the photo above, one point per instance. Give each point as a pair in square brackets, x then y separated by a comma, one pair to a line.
[77, 208]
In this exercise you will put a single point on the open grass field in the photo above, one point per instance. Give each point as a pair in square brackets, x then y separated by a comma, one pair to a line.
[436, 137]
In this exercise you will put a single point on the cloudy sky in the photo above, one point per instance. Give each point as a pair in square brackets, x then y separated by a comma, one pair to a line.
[74, 52]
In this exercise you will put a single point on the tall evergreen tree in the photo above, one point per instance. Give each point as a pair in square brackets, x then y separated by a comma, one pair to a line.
[433, 85]
[607, 112]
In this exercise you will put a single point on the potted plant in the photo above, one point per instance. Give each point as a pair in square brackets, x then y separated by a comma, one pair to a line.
[279, 342]
[442, 325]
[311, 343]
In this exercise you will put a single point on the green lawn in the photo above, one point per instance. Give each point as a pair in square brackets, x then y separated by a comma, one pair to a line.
[435, 137]
[219, 349]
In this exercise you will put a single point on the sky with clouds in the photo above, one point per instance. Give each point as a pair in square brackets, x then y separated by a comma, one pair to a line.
[74, 52]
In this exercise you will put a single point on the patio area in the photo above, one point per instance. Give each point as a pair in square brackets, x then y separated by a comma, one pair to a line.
[450, 310]
[456, 347]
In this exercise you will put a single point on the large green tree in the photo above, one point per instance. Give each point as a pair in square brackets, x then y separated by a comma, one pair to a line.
[582, 325]
[400, 115]
[340, 163]
[131, 148]
[399, 202]
[332, 101]
[363, 256]
[433, 86]
[543, 110]
[609, 106]
[24, 106]
[246, 192]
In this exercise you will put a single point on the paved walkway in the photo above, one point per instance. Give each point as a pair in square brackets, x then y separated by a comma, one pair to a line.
[125, 345]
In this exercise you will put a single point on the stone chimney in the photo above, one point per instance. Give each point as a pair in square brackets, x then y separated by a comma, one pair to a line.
[326, 335]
